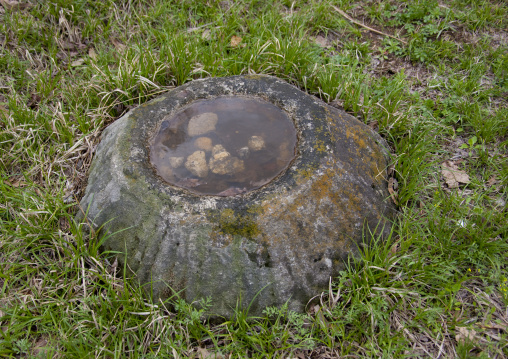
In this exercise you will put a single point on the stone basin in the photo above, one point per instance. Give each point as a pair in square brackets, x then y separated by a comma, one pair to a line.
[224, 146]
[242, 189]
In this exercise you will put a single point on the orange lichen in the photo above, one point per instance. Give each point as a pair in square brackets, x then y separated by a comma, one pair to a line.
[373, 160]
[323, 201]
[356, 135]
[305, 173]
[320, 146]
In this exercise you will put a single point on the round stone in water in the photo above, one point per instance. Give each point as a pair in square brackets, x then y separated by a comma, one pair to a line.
[225, 146]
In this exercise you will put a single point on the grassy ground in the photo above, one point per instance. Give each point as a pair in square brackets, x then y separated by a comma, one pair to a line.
[436, 89]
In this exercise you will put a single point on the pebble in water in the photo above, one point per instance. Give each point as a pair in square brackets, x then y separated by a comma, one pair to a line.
[201, 124]
[196, 164]
[203, 143]
[223, 163]
[176, 162]
[256, 143]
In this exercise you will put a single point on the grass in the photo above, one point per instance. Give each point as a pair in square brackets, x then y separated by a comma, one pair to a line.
[437, 287]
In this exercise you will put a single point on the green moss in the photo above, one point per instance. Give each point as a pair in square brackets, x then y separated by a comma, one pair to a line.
[307, 171]
[255, 76]
[255, 209]
[228, 222]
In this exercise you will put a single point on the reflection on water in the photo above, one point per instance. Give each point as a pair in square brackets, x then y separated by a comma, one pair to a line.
[224, 147]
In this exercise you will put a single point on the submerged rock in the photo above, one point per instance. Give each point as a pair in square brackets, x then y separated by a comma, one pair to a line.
[256, 143]
[203, 143]
[243, 152]
[176, 162]
[219, 152]
[223, 163]
[242, 247]
[196, 164]
[202, 123]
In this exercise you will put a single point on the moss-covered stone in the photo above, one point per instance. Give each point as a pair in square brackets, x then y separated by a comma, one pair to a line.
[285, 239]
[227, 222]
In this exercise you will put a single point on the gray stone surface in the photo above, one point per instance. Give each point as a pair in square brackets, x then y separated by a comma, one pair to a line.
[283, 241]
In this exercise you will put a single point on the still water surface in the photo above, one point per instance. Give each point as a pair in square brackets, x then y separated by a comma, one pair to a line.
[225, 146]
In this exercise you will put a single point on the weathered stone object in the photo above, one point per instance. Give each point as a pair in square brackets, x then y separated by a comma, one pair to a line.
[230, 187]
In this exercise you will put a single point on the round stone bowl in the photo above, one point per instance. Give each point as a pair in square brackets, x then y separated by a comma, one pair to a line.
[193, 216]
